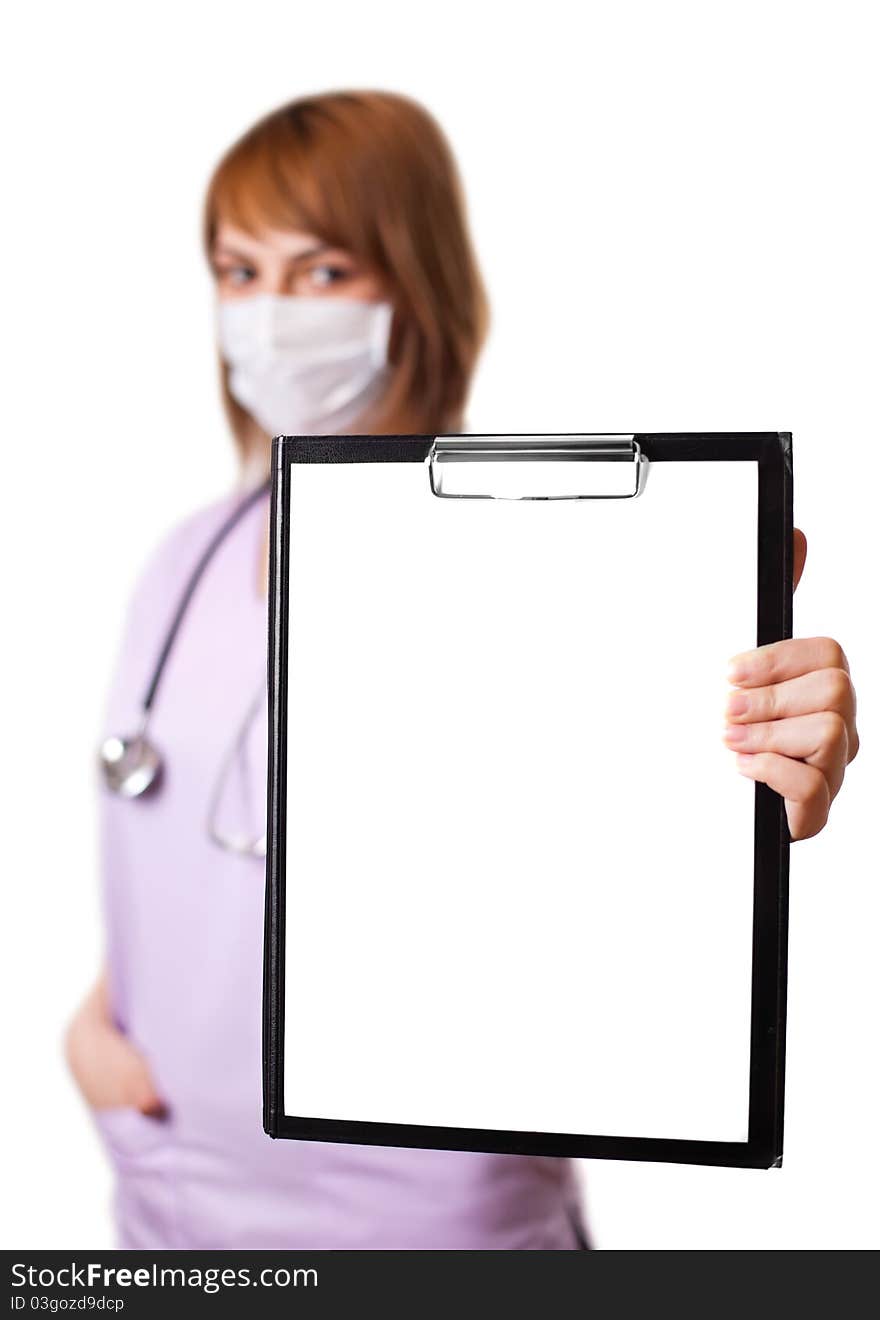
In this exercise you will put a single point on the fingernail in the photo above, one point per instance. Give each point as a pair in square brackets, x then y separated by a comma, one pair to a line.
[743, 762]
[737, 669]
[736, 733]
[737, 703]
[157, 1110]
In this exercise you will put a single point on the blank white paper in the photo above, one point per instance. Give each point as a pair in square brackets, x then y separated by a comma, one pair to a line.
[519, 856]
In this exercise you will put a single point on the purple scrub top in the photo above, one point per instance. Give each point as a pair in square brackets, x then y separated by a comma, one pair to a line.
[184, 925]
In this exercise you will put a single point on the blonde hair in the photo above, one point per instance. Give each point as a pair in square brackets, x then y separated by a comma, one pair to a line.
[372, 173]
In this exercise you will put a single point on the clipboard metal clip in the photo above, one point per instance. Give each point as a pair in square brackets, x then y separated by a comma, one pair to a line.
[537, 467]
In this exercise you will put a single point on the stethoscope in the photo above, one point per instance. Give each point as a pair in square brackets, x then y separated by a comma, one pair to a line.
[132, 765]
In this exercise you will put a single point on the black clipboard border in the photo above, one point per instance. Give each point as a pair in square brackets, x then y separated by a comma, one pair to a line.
[772, 450]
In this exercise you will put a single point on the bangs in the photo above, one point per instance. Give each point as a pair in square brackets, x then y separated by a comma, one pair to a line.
[276, 177]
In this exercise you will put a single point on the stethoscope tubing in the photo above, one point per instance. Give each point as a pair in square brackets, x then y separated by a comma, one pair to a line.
[193, 581]
[133, 764]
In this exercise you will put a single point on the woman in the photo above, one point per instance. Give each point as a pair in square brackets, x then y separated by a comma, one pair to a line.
[348, 301]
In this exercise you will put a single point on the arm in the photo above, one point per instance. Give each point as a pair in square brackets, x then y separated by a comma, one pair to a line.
[791, 719]
[107, 1068]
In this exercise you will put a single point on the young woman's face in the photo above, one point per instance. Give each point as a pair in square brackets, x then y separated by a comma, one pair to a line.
[287, 262]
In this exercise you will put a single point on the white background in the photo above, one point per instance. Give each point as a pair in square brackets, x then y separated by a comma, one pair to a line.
[518, 928]
[675, 206]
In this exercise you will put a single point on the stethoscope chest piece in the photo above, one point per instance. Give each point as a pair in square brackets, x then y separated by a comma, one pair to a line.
[130, 766]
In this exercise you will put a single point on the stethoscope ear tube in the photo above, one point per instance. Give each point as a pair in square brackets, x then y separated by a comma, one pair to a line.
[131, 765]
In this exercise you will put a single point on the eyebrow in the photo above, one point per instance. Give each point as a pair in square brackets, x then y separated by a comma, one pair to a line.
[222, 250]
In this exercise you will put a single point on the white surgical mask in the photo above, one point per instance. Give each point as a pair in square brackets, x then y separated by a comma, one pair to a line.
[305, 366]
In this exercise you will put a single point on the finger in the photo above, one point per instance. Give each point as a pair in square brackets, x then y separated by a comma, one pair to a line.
[823, 689]
[805, 789]
[781, 660]
[819, 739]
[800, 556]
[127, 1073]
[154, 1108]
[141, 1091]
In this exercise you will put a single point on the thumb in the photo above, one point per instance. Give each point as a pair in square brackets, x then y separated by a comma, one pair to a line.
[147, 1099]
[800, 556]
[139, 1087]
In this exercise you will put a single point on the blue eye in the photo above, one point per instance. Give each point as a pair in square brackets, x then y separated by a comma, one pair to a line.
[241, 274]
[324, 275]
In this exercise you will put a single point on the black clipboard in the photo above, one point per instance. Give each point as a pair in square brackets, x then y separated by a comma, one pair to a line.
[771, 455]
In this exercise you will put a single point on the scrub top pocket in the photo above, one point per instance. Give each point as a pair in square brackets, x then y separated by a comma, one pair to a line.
[146, 1198]
[128, 1134]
